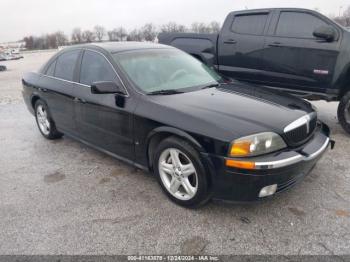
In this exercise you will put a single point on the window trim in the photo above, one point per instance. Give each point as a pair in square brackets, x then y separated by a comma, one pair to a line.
[48, 67]
[250, 14]
[110, 64]
[75, 65]
[80, 58]
[301, 12]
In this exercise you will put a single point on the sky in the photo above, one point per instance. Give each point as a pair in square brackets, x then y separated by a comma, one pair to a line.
[20, 18]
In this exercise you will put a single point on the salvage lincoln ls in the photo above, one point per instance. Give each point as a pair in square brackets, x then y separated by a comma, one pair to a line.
[162, 110]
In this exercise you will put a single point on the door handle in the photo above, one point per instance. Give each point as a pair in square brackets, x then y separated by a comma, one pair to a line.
[42, 89]
[230, 41]
[78, 100]
[276, 44]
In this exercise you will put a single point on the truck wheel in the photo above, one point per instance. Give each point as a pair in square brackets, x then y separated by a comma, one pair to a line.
[344, 112]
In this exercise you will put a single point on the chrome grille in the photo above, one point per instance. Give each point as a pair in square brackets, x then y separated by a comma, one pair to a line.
[301, 130]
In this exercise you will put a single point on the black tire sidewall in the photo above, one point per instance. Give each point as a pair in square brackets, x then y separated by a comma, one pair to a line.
[341, 112]
[202, 194]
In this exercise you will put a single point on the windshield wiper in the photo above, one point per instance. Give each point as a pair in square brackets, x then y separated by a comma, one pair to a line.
[211, 85]
[165, 92]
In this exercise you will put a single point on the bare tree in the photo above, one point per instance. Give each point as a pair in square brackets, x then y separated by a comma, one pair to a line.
[100, 32]
[88, 36]
[149, 32]
[215, 27]
[40, 43]
[111, 35]
[173, 27]
[120, 33]
[134, 35]
[61, 38]
[50, 41]
[117, 34]
[77, 36]
[200, 28]
[344, 19]
[29, 42]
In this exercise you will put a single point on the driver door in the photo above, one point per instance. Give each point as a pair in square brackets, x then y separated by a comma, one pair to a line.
[99, 120]
[293, 57]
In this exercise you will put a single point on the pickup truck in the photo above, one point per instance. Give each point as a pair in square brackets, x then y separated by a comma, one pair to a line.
[299, 51]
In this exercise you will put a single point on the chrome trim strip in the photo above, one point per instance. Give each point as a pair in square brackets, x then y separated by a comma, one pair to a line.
[320, 151]
[278, 163]
[299, 122]
[64, 80]
[292, 160]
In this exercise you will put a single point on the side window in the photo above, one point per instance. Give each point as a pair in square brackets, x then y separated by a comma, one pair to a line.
[65, 65]
[299, 25]
[249, 24]
[94, 67]
[51, 70]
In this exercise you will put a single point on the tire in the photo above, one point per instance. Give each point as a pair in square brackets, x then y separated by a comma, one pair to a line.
[344, 112]
[44, 121]
[187, 186]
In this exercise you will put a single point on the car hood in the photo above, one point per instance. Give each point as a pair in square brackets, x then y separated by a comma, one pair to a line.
[229, 111]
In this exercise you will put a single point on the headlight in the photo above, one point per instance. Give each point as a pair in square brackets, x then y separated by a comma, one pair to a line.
[255, 145]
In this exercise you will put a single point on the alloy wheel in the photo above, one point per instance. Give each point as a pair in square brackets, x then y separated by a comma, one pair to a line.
[178, 174]
[43, 122]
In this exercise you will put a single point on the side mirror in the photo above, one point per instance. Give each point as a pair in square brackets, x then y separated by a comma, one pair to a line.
[107, 87]
[325, 32]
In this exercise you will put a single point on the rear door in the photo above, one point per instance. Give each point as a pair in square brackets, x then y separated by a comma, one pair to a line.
[57, 87]
[99, 120]
[241, 43]
[293, 57]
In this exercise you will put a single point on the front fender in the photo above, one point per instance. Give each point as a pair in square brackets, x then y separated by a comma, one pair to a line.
[177, 132]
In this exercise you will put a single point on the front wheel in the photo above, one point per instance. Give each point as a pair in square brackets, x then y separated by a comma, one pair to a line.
[180, 173]
[44, 121]
[344, 112]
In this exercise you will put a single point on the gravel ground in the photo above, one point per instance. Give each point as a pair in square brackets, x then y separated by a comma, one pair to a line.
[61, 197]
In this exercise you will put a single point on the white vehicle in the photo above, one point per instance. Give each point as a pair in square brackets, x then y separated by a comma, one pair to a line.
[15, 51]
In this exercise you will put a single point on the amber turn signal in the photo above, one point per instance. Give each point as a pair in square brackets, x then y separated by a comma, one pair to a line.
[240, 164]
[241, 148]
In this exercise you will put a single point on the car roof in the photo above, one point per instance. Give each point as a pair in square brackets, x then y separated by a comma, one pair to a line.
[272, 9]
[116, 47]
[108, 47]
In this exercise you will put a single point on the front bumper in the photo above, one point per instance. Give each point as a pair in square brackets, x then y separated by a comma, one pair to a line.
[284, 168]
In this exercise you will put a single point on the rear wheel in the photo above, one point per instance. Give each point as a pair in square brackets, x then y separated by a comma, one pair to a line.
[44, 121]
[344, 112]
[180, 173]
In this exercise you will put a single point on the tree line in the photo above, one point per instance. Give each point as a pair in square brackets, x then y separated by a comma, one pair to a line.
[344, 19]
[148, 32]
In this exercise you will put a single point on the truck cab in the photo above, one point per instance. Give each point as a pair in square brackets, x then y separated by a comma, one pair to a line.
[295, 50]
[277, 47]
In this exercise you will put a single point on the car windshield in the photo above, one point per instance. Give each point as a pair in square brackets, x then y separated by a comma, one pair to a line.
[164, 70]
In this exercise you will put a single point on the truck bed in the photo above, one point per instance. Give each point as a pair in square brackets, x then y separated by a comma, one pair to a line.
[201, 46]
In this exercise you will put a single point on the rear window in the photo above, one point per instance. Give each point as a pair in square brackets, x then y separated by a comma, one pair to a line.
[249, 24]
[65, 65]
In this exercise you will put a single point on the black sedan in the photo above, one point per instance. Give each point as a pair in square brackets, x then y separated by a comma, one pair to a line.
[162, 110]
